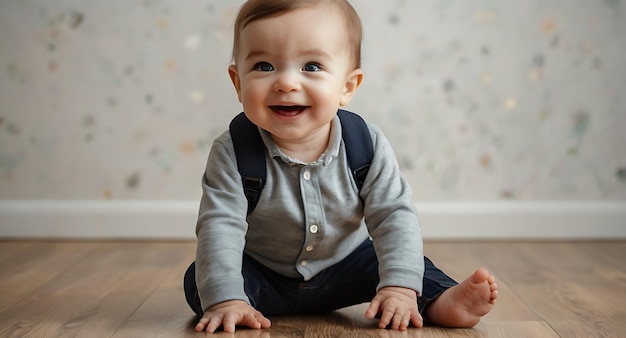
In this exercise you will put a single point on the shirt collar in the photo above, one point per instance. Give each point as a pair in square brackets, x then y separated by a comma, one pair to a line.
[332, 151]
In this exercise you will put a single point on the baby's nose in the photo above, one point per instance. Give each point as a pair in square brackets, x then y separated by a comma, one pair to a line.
[287, 81]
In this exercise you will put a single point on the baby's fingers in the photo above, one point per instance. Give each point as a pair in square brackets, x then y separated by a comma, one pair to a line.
[400, 321]
[209, 324]
[230, 322]
[202, 324]
[253, 320]
[250, 321]
[416, 319]
[372, 310]
[387, 316]
[264, 322]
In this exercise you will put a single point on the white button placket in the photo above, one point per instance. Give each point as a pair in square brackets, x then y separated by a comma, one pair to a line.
[313, 210]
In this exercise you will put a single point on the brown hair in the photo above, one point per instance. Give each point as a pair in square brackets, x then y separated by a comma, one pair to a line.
[254, 10]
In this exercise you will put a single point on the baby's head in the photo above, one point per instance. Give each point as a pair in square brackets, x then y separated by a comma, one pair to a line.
[254, 10]
[295, 63]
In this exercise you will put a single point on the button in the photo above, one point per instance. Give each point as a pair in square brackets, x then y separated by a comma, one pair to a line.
[307, 175]
[303, 263]
[309, 248]
[314, 228]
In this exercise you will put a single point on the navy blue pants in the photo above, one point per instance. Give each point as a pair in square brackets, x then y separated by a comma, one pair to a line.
[349, 282]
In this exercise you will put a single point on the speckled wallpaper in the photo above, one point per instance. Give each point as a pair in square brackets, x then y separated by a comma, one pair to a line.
[482, 100]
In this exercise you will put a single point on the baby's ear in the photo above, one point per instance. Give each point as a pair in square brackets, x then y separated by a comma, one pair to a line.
[353, 82]
[234, 76]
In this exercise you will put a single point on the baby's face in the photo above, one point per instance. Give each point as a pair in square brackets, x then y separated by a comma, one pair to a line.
[293, 71]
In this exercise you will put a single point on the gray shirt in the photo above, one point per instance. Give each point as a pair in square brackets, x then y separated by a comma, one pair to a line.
[309, 217]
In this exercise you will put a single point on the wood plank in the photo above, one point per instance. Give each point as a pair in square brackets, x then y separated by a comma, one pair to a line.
[349, 322]
[10, 249]
[547, 289]
[560, 283]
[96, 295]
[609, 252]
[165, 312]
[28, 266]
[461, 259]
[591, 328]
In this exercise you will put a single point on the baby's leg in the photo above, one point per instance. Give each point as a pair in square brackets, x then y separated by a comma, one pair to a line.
[463, 305]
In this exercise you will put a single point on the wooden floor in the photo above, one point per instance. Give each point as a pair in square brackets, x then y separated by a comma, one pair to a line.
[134, 289]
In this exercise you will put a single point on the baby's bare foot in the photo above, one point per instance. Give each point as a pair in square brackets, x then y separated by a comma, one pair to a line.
[463, 305]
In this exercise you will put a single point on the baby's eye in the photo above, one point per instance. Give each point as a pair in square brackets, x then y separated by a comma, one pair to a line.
[312, 67]
[263, 67]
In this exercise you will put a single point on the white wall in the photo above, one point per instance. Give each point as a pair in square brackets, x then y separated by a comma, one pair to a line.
[489, 104]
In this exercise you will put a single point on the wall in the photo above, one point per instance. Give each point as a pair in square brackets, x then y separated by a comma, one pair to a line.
[483, 101]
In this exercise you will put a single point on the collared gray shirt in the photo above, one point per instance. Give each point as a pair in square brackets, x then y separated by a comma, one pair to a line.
[309, 217]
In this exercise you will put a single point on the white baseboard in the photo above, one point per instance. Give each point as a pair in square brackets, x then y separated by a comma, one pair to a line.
[176, 220]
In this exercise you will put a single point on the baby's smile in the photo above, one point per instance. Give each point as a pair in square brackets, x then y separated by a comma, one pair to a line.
[288, 110]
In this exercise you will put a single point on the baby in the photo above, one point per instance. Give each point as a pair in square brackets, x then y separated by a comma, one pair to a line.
[316, 241]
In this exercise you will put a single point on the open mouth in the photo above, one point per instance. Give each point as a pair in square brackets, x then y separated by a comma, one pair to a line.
[288, 110]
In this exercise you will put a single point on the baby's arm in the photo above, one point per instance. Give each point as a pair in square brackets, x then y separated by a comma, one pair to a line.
[392, 222]
[229, 314]
[221, 232]
[396, 306]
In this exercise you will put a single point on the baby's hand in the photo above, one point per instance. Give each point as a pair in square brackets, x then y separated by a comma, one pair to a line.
[396, 306]
[230, 314]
